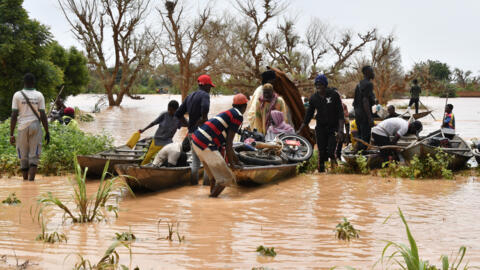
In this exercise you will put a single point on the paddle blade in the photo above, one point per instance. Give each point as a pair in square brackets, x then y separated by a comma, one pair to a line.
[133, 140]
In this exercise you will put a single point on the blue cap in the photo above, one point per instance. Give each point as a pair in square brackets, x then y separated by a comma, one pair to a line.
[321, 79]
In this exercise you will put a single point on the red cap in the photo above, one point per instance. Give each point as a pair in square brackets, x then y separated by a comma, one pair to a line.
[205, 79]
[69, 111]
[240, 99]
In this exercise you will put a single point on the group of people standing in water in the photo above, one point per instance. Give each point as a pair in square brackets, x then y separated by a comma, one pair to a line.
[268, 113]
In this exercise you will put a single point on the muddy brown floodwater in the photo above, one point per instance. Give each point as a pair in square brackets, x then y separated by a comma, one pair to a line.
[296, 216]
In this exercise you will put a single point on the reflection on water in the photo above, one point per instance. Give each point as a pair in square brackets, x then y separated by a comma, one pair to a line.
[296, 216]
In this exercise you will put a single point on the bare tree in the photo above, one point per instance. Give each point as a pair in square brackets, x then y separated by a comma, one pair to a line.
[93, 21]
[283, 48]
[190, 42]
[314, 40]
[389, 76]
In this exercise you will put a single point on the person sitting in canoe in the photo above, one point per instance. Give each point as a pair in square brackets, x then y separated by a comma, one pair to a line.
[391, 112]
[278, 126]
[173, 155]
[396, 128]
[449, 119]
[167, 126]
[209, 138]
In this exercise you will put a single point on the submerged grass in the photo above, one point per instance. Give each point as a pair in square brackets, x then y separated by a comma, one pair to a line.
[345, 230]
[12, 199]
[264, 251]
[359, 166]
[125, 236]
[407, 257]
[173, 230]
[50, 237]
[88, 208]
[110, 259]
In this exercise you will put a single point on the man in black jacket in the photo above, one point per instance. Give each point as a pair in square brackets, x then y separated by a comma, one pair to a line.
[362, 103]
[330, 120]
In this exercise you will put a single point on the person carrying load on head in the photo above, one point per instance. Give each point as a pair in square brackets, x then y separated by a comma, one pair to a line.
[449, 118]
[28, 110]
[330, 120]
[197, 106]
[394, 127]
[267, 102]
[167, 126]
[210, 137]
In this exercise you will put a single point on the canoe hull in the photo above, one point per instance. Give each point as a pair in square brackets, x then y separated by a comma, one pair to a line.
[144, 178]
[259, 175]
[458, 160]
[96, 164]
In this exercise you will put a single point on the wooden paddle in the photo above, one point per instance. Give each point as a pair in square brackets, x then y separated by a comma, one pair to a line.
[370, 146]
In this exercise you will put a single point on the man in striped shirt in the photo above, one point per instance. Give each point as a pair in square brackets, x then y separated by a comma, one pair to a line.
[209, 139]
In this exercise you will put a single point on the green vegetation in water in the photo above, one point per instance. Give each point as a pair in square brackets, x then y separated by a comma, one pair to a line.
[264, 251]
[359, 166]
[125, 236]
[50, 237]
[83, 116]
[173, 229]
[65, 143]
[110, 259]
[345, 230]
[12, 199]
[431, 167]
[308, 166]
[407, 257]
[88, 208]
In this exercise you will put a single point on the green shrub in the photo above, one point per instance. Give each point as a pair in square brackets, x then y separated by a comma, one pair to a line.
[264, 251]
[429, 167]
[57, 157]
[359, 166]
[12, 199]
[309, 166]
[345, 230]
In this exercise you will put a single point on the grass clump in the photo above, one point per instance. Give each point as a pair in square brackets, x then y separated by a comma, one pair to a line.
[65, 142]
[407, 257]
[125, 236]
[264, 251]
[431, 167]
[50, 237]
[345, 230]
[358, 166]
[308, 166]
[12, 199]
[88, 208]
[173, 230]
[110, 259]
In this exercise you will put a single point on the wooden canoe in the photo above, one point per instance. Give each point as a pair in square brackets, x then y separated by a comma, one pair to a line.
[259, 175]
[459, 151]
[150, 178]
[119, 155]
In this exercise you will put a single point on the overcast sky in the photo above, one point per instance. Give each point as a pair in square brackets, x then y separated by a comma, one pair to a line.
[442, 30]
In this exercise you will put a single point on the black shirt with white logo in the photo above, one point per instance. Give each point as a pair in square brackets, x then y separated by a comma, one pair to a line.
[329, 109]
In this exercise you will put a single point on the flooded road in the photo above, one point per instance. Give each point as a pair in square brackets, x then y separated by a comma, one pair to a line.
[296, 216]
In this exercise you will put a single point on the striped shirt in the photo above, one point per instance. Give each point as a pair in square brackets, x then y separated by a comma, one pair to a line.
[213, 133]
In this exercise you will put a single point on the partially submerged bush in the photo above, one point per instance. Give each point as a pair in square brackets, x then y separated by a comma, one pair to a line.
[359, 166]
[57, 157]
[429, 167]
[309, 166]
[345, 230]
[88, 208]
[12, 199]
[264, 251]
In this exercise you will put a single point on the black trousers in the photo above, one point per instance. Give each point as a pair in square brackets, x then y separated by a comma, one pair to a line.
[364, 130]
[414, 101]
[326, 143]
[380, 140]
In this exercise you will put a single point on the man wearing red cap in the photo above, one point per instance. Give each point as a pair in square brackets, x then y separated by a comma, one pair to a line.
[209, 138]
[197, 105]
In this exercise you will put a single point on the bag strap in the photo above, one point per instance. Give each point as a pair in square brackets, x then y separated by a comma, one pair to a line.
[30, 105]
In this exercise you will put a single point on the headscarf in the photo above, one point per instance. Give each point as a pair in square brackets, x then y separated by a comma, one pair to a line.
[321, 79]
[279, 125]
[267, 76]
[273, 101]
